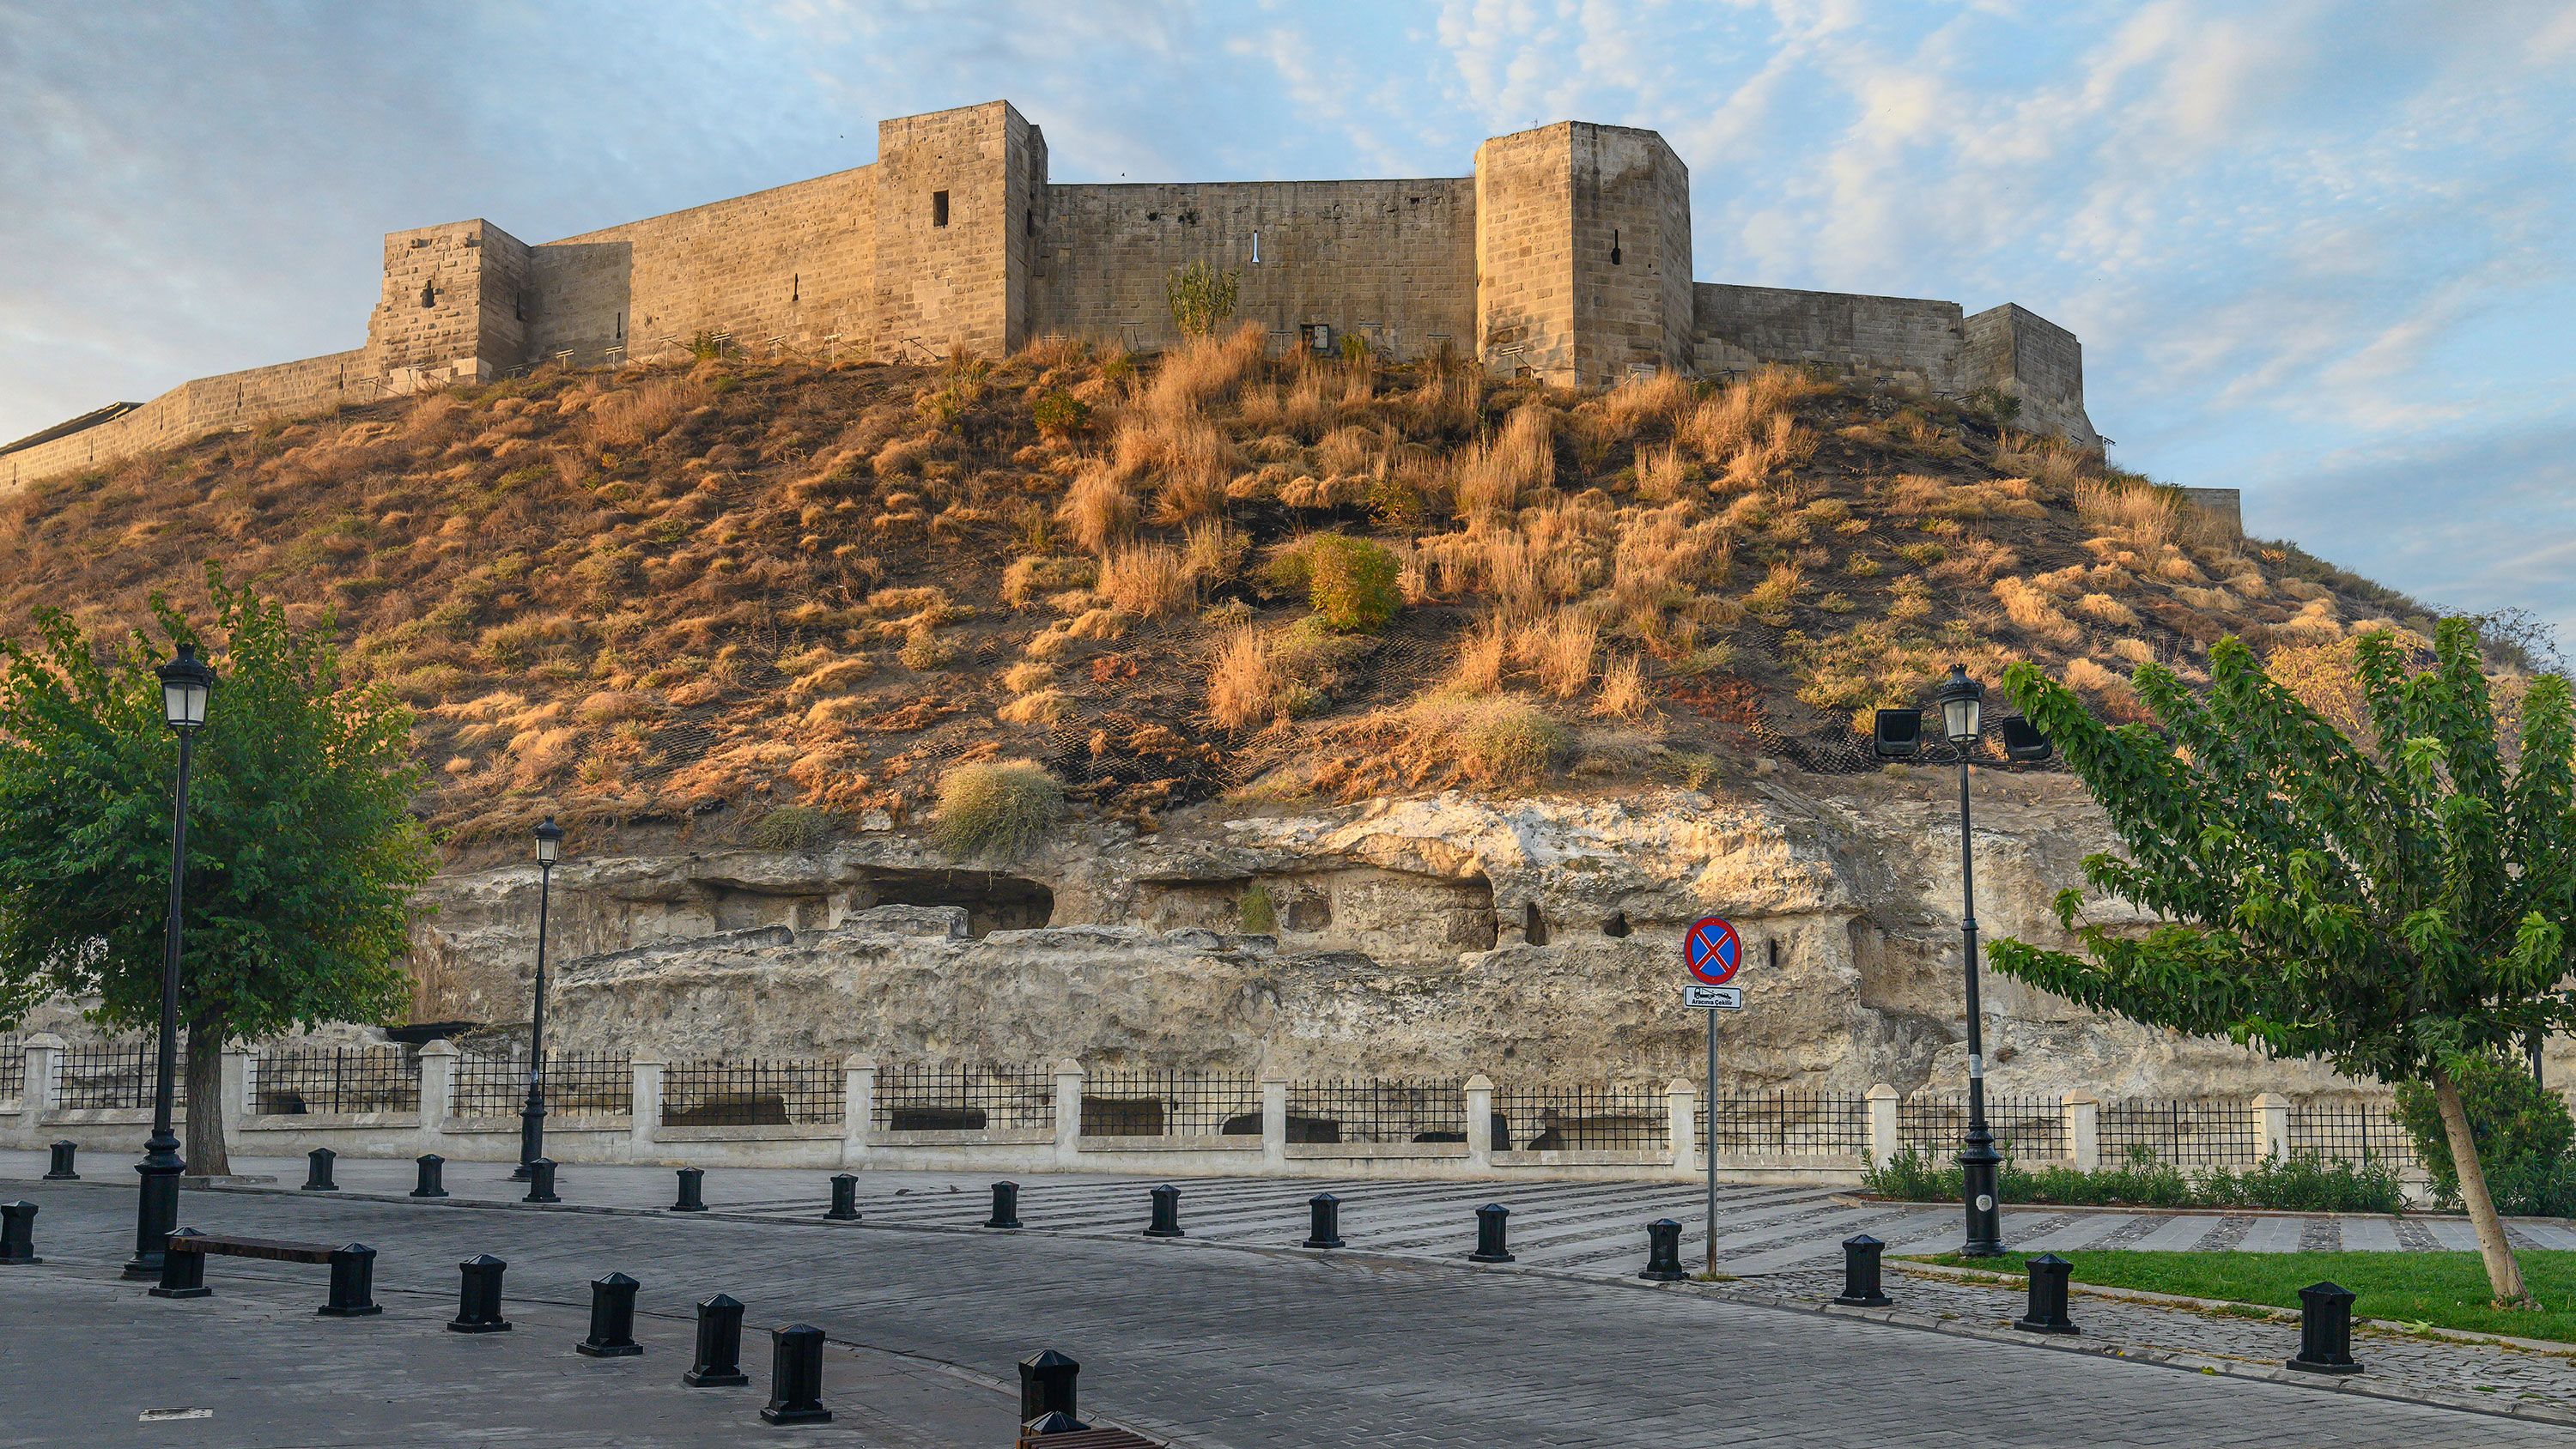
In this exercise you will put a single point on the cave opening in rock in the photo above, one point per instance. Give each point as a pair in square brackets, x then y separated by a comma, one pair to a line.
[1533, 925]
[1617, 926]
[992, 901]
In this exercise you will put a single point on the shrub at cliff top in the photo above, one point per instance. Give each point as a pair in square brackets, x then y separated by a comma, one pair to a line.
[996, 811]
[1351, 582]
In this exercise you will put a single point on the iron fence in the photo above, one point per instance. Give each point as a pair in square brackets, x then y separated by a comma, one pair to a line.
[2350, 1132]
[1583, 1119]
[1170, 1104]
[963, 1099]
[589, 1084]
[297, 1080]
[2203, 1132]
[1378, 1109]
[13, 1067]
[1787, 1124]
[752, 1094]
[1932, 1124]
[110, 1075]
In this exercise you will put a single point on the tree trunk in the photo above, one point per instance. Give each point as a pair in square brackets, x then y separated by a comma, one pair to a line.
[205, 1078]
[2504, 1275]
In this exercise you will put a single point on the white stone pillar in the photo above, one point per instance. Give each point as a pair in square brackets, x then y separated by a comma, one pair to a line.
[1681, 1109]
[858, 1106]
[236, 1075]
[1068, 1112]
[44, 1062]
[1274, 1121]
[437, 1094]
[1884, 1139]
[645, 1127]
[2271, 1127]
[1480, 1121]
[2083, 1128]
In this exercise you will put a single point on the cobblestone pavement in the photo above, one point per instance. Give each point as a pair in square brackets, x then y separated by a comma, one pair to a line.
[1250, 1349]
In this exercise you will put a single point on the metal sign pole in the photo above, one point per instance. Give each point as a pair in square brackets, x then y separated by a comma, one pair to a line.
[1708, 1148]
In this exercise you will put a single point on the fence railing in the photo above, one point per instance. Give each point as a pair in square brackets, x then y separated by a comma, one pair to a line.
[2201, 1132]
[108, 1076]
[2350, 1132]
[1582, 1119]
[1378, 1110]
[1170, 1104]
[13, 1068]
[2025, 1128]
[599, 1084]
[963, 1099]
[300, 1080]
[1788, 1124]
[752, 1094]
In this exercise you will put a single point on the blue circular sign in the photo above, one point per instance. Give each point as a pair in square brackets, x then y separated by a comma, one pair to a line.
[1712, 950]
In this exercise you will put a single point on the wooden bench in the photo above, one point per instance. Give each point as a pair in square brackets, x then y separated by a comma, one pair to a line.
[353, 1267]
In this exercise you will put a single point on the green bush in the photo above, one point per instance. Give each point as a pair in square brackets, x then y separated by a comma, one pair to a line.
[1059, 414]
[2300, 1183]
[792, 827]
[999, 810]
[1202, 298]
[1351, 582]
[1509, 740]
[2524, 1136]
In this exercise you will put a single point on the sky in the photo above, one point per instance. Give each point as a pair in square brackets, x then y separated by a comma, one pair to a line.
[2322, 252]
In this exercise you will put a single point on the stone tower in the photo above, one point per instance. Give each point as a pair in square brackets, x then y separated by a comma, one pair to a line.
[453, 305]
[958, 197]
[1583, 253]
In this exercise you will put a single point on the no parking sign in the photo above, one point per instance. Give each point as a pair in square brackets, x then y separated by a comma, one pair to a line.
[1712, 950]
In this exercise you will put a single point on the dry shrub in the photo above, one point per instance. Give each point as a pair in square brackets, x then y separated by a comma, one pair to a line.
[1148, 580]
[1199, 372]
[1040, 707]
[2315, 623]
[1974, 560]
[1749, 429]
[632, 417]
[2103, 609]
[1032, 578]
[1499, 473]
[1772, 597]
[997, 810]
[1057, 350]
[1027, 678]
[1661, 473]
[2054, 463]
[1504, 740]
[2132, 651]
[2147, 517]
[1623, 689]
[1351, 452]
[1246, 685]
[1559, 650]
[1643, 401]
[2034, 612]
[2209, 601]
[1214, 550]
[1189, 458]
[1098, 510]
[822, 672]
[2116, 696]
[1482, 653]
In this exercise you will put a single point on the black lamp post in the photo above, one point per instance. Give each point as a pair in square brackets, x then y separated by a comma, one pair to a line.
[186, 685]
[532, 1118]
[1962, 714]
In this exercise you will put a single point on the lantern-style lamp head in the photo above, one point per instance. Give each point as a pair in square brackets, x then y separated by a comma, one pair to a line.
[1961, 706]
[549, 841]
[186, 685]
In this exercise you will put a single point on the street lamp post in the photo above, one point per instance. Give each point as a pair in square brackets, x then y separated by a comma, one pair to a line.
[532, 1118]
[1962, 700]
[186, 686]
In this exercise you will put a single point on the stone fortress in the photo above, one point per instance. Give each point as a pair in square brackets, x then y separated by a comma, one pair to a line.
[1566, 256]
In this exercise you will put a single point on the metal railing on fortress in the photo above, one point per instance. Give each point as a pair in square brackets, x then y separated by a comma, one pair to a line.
[1787, 1124]
[1582, 1119]
[292, 1081]
[2203, 1132]
[13, 1068]
[1378, 1109]
[1170, 1104]
[2350, 1132]
[963, 1099]
[1931, 1124]
[753, 1094]
[106, 1076]
[585, 1084]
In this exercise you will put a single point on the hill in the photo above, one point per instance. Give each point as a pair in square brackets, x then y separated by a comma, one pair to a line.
[767, 600]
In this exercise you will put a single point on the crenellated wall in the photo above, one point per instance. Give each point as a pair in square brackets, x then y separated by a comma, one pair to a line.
[1566, 256]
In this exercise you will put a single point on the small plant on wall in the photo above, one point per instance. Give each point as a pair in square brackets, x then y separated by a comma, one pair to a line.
[1202, 298]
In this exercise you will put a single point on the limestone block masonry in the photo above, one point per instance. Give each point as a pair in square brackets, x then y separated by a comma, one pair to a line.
[1566, 256]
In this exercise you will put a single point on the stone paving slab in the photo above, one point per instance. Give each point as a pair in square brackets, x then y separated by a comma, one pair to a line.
[1235, 1348]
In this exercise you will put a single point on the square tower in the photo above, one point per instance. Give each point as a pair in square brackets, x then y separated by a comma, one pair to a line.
[957, 200]
[1583, 253]
[453, 304]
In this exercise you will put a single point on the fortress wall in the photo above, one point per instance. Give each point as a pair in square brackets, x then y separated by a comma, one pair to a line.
[2024, 355]
[193, 409]
[1631, 251]
[1907, 341]
[953, 210]
[794, 261]
[1525, 253]
[1391, 260]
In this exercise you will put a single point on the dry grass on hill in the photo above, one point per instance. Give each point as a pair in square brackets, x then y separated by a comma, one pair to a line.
[707, 594]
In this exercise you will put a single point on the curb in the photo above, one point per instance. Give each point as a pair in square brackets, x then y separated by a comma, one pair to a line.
[1862, 1199]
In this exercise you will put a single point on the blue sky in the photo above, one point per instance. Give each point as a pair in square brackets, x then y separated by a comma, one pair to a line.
[2319, 251]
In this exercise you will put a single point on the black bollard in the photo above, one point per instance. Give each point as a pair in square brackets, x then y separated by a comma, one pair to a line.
[2047, 1312]
[1489, 1235]
[612, 1319]
[1167, 1213]
[433, 1176]
[1323, 1221]
[692, 1191]
[796, 1376]
[1861, 1284]
[845, 1200]
[61, 1170]
[183, 1275]
[719, 1355]
[2325, 1330]
[1006, 1206]
[353, 1283]
[541, 1181]
[478, 1302]
[18, 1234]
[317, 1177]
[1663, 1252]
[1046, 1388]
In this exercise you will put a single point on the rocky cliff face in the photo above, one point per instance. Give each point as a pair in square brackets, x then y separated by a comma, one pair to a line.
[1532, 938]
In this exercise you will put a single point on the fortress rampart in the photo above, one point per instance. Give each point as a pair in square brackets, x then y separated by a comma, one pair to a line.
[1566, 256]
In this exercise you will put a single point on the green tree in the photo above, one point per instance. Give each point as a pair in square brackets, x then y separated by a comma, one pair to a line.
[302, 850]
[1202, 298]
[2396, 910]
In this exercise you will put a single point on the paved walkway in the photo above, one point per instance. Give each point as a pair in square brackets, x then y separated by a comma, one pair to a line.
[1227, 1349]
